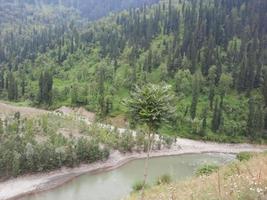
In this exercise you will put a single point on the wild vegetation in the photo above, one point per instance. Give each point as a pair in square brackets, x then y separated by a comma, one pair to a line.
[244, 180]
[212, 53]
[39, 145]
[27, 143]
[190, 68]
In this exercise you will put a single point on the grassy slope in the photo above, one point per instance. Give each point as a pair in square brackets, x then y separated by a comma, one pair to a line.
[245, 180]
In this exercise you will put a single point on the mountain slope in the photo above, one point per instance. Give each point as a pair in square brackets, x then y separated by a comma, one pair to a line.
[213, 53]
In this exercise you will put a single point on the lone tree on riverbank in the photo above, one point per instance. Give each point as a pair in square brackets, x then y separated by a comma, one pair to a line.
[150, 106]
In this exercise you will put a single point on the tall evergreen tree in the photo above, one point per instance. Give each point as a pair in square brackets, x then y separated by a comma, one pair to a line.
[204, 121]
[12, 87]
[195, 95]
[101, 98]
[264, 87]
[251, 117]
[212, 86]
[45, 88]
[2, 81]
[217, 116]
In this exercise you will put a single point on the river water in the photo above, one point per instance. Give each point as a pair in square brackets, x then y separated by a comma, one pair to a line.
[116, 184]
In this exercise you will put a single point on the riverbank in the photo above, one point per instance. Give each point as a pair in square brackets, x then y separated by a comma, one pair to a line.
[31, 184]
[245, 179]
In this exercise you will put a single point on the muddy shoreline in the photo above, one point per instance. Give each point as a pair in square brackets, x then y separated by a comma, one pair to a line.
[20, 187]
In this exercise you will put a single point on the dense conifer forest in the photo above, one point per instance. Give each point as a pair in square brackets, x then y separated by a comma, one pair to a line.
[213, 53]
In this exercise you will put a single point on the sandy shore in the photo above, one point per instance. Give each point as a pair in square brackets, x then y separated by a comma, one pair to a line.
[22, 186]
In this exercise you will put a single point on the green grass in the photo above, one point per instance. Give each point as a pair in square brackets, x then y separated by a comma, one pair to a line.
[206, 170]
[244, 156]
[138, 186]
[164, 179]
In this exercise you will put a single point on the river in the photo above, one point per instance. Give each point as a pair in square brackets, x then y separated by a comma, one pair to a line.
[117, 183]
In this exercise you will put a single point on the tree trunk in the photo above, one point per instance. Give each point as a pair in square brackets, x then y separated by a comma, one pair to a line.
[150, 142]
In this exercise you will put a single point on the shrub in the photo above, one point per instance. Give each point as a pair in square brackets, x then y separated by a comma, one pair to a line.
[105, 154]
[206, 170]
[164, 179]
[138, 186]
[126, 142]
[168, 141]
[244, 156]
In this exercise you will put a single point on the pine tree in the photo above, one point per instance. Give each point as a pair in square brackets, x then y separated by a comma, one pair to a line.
[251, 117]
[264, 87]
[212, 81]
[204, 121]
[259, 118]
[74, 94]
[217, 116]
[41, 88]
[12, 87]
[23, 85]
[195, 95]
[101, 92]
[242, 75]
[2, 81]
[45, 88]
[265, 119]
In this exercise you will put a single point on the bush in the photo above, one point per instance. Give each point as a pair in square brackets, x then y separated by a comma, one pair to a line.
[105, 154]
[138, 186]
[168, 141]
[126, 142]
[164, 179]
[244, 156]
[206, 170]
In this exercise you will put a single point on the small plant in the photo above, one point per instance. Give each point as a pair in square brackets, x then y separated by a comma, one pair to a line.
[138, 186]
[168, 141]
[206, 170]
[244, 156]
[164, 179]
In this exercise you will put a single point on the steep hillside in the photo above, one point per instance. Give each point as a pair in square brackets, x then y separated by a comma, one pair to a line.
[213, 54]
[91, 9]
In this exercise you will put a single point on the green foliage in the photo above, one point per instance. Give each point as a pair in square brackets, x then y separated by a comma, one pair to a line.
[141, 142]
[151, 105]
[45, 88]
[168, 140]
[88, 151]
[126, 142]
[203, 56]
[217, 116]
[12, 87]
[195, 95]
[183, 82]
[138, 186]
[22, 152]
[164, 179]
[255, 121]
[244, 156]
[206, 170]
[1, 127]
[264, 86]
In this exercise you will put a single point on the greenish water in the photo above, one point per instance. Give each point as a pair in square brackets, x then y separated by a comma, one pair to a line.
[116, 184]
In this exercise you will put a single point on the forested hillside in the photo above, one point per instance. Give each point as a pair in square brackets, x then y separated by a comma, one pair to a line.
[91, 9]
[213, 53]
